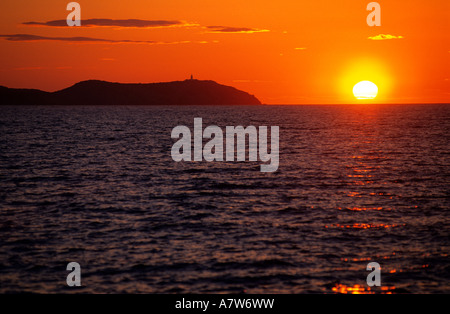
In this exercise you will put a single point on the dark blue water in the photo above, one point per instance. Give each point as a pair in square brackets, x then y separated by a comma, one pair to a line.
[98, 186]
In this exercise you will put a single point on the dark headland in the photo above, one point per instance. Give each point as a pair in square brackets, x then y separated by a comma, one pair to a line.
[94, 92]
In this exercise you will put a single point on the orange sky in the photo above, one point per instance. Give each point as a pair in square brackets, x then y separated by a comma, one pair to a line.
[284, 52]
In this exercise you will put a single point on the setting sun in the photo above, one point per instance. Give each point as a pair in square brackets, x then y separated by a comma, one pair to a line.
[365, 90]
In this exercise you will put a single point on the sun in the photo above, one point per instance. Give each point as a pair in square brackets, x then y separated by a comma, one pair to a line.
[365, 90]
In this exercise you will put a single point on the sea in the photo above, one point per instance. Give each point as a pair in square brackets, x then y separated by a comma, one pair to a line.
[97, 185]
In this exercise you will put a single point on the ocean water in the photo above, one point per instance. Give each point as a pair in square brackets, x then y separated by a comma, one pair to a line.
[97, 186]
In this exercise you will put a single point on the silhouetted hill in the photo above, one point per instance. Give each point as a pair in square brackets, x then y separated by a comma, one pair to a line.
[16, 96]
[93, 92]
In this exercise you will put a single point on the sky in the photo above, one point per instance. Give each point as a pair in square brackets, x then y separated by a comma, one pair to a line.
[283, 52]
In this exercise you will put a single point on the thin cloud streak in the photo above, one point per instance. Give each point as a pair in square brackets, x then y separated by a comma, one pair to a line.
[385, 37]
[227, 29]
[35, 38]
[28, 37]
[136, 23]
[127, 23]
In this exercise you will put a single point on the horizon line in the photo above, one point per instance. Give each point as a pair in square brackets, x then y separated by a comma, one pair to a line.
[363, 102]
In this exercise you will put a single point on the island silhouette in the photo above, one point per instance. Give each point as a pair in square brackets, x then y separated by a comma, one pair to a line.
[97, 92]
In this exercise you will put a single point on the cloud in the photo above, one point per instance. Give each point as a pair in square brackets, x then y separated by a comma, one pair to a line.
[28, 37]
[34, 38]
[385, 37]
[227, 29]
[300, 48]
[133, 23]
[136, 23]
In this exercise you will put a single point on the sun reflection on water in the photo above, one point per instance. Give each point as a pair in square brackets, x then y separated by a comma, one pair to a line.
[363, 208]
[359, 289]
[364, 226]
